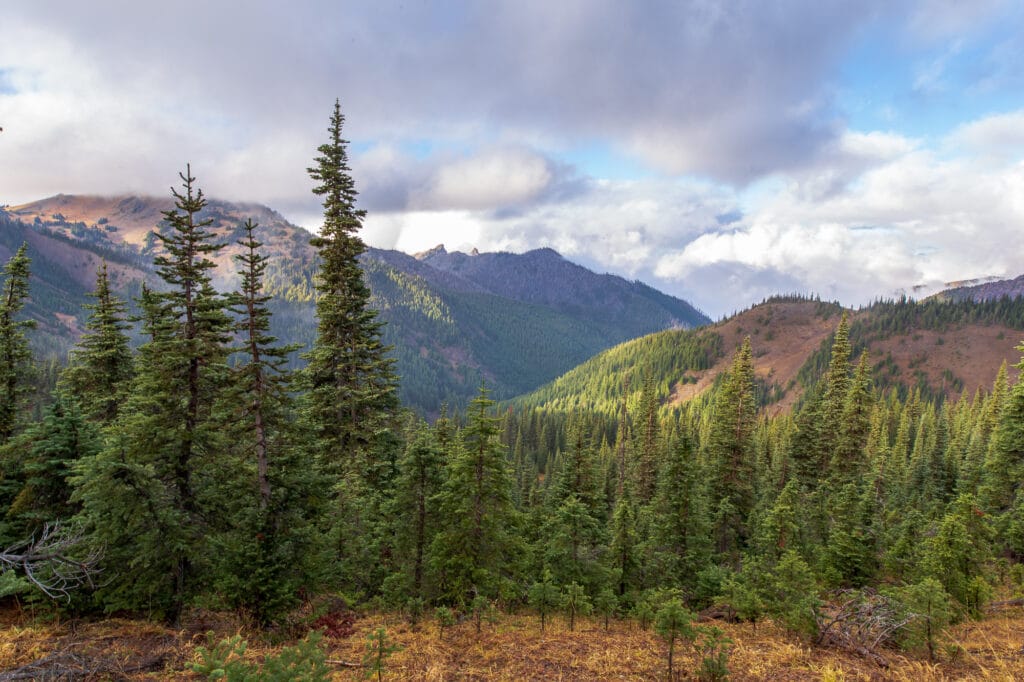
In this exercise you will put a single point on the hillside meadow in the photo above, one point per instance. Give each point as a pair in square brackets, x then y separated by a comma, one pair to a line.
[510, 648]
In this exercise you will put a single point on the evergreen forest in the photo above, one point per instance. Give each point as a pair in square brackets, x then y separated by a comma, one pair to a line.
[203, 467]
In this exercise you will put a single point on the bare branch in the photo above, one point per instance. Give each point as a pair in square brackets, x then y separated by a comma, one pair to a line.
[57, 562]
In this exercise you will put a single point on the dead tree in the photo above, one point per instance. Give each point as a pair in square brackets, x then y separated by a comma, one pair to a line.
[57, 561]
[861, 621]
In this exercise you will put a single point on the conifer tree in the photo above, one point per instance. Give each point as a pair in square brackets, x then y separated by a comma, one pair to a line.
[46, 453]
[100, 368]
[645, 468]
[855, 425]
[414, 507]
[160, 467]
[475, 551]
[730, 453]
[837, 385]
[351, 393]
[15, 355]
[1004, 466]
[682, 528]
[266, 545]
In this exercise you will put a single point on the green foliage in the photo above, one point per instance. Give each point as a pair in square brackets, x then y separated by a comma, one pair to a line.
[224, 660]
[483, 610]
[729, 452]
[445, 618]
[930, 610]
[100, 367]
[714, 663]
[597, 385]
[41, 460]
[350, 393]
[475, 549]
[606, 604]
[674, 622]
[378, 648]
[792, 594]
[576, 603]
[544, 597]
[11, 583]
[643, 612]
[739, 594]
[15, 355]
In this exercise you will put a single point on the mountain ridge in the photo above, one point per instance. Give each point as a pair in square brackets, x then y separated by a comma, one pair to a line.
[451, 327]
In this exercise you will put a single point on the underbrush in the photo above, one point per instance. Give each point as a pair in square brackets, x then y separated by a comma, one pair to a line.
[511, 647]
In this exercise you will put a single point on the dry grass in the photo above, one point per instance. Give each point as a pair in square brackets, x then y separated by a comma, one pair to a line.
[514, 649]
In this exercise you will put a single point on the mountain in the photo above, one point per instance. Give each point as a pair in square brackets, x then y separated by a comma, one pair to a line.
[514, 321]
[986, 291]
[937, 347]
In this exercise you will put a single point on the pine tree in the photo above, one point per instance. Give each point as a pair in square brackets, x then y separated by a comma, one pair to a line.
[414, 508]
[475, 551]
[681, 545]
[148, 495]
[41, 459]
[351, 393]
[100, 368]
[15, 355]
[730, 453]
[265, 542]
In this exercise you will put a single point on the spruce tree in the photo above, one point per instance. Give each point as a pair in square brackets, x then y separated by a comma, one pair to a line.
[730, 453]
[681, 542]
[414, 507]
[1004, 466]
[476, 550]
[149, 495]
[15, 355]
[855, 425]
[266, 542]
[351, 393]
[46, 453]
[100, 368]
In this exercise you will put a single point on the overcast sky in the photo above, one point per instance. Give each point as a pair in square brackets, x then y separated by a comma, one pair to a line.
[720, 151]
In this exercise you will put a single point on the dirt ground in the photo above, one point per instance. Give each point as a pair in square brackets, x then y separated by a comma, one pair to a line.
[40, 646]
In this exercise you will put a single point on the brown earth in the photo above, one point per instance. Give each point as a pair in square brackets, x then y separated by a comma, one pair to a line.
[784, 335]
[511, 649]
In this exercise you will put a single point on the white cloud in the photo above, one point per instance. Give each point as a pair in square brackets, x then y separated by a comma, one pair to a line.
[492, 179]
[997, 137]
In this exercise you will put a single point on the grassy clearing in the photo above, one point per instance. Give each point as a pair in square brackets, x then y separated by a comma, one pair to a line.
[511, 649]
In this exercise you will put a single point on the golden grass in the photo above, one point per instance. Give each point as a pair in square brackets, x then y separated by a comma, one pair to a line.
[514, 649]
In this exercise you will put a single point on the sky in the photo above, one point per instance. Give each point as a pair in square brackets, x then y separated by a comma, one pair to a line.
[719, 151]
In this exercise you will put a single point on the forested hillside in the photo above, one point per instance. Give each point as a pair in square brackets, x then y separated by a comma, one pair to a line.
[514, 321]
[940, 349]
[200, 472]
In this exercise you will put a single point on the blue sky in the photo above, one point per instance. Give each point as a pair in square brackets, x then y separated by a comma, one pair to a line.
[720, 151]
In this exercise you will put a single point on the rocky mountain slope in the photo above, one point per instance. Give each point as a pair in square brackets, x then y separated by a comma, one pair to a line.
[514, 321]
[937, 347]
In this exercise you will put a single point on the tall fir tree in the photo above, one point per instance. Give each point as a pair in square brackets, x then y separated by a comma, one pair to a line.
[100, 367]
[266, 542]
[476, 550]
[149, 495]
[15, 355]
[350, 385]
[730, 453]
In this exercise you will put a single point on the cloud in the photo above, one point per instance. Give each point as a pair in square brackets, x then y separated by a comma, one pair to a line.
[998, 137]
[729, 91]
[879, 215]
[912, 218]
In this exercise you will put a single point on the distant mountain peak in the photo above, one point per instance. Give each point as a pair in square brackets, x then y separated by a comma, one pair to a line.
[438, 250]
